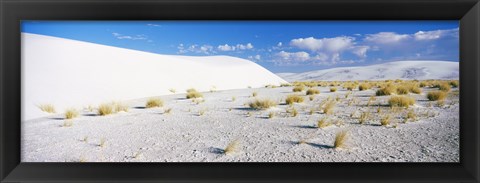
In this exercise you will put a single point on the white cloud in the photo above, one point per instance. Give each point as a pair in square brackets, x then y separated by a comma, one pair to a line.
[385, 37]
[333, 45]
[293, 56]
[194, 48]
[436, 34]
[360, 51]
[244, 47]
[135, 37]
[226, 47]
[279, 44]
[154, 25]
[256, 57]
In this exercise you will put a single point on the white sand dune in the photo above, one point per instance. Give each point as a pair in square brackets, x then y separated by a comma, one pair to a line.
[69, 73]
[420, 70]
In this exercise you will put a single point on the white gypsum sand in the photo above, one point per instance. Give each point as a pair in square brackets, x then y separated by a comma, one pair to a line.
[67, 73]
[184, 135]
[406, 70]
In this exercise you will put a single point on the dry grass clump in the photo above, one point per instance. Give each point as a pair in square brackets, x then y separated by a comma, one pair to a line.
[71, 113]
[120, 107]
[311, 97]
[167, 111]
[271, 115]
[234, 98]
[202, 111]
[401, 101]
[371, 100]
[340, 139]
[105, 109]
[385, 120]
[192, 93]
[454, 83]
[364, 86]
[298, 88]
[285, 84]
[49, 108]
[262, 104]
[387, 90]
[232, 147]
[423, 84]
[254, 94]
[411, 115]
[403, 90]
[415, 89]
[154, 102]
[444, 87]
[333, 89]
[294, 99]
[323, 123]
[313, 91]
[436, 95]
[293, 111]
[329, 107]
[364, 116]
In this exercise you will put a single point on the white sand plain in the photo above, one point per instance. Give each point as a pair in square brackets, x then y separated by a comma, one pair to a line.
[150, 135]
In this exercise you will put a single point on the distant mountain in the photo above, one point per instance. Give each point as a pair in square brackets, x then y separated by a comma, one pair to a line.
[406, 70]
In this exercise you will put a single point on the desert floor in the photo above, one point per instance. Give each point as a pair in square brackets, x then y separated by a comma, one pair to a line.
[184, 135]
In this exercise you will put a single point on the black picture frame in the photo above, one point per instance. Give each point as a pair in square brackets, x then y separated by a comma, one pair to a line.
[13, 11]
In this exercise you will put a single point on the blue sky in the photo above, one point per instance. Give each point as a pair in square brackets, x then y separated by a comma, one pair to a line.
[280, 46]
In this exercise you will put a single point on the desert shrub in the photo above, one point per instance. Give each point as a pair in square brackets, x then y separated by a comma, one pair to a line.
[193, 94]
[154, 102]
[340, 139]
[105, 109]
[402, 90]
[333, 89]
[294, 99]
[387, 90]
[323, 123]
[71, 113]
[329, 107]
[262, 104]
[436, 95]
[401, 101]
[385, 120]
[49, 108]
[312, 91]
[298, 88]
[232, 147]
[454, 83]
[444, 87]
[364, 86]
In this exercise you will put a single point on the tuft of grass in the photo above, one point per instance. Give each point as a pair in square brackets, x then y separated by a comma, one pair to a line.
[167, 111]
[340, 139]
[271, 115]
[49, 108]
[85, 139]
[313, 91]
[105, 109]
[411, 115]
[348, 94]
[262, 104]
[385, 120]
[454, 83]
[232, 147]
[192, 93]
[154, 102]
[67, 123]
[323, 123]
[312, 110]
[388, 90]
[293, 99]
[201, 112]
[234, 98]
[298, 88]
[444, 86]
[403, 90]
[71, 113]
[172, 90]
[329, 107]
[333, 89]
[102, 142]
[311, 97]
[401, 101]
[294, 112]
[364, 86]
[436, 95]
[254, 94]
[415, 89]
[120, 107]
[364, 116]
[370, 100]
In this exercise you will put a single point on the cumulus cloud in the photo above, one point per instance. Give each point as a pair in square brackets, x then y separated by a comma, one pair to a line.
[436, 34]
[279, 44]
[256, 57]
[295, 56]
[135, 37]
[386, 37]
[227, 47]
[336, 44]
[194, 48]
[360, 51]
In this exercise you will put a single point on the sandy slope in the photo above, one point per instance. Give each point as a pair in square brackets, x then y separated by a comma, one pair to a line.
[405, 70]
[183, 135]
[68, 73]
